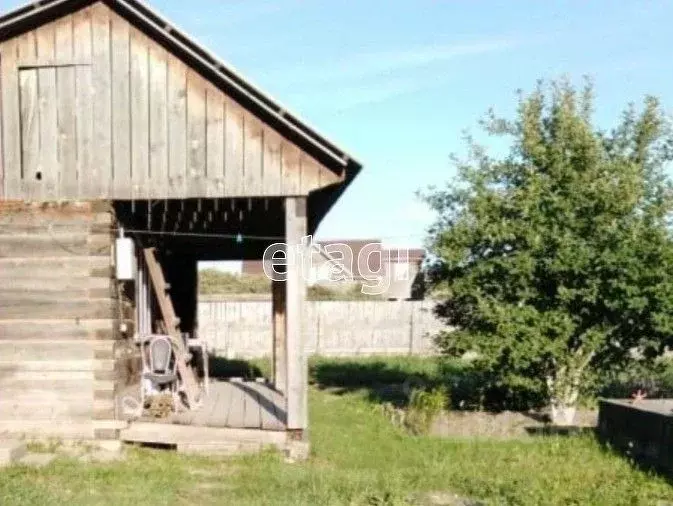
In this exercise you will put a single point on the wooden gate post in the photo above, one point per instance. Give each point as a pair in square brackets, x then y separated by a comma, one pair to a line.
[295, 291]
[279, 333]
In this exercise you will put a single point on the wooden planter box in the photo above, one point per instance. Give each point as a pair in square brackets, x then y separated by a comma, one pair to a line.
[643, 430]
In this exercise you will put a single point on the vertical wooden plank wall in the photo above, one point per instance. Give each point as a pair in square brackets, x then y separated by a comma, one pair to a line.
[94, 108]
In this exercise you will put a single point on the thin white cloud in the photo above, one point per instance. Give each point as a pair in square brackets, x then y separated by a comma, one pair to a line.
[347, 97]
[382, 63]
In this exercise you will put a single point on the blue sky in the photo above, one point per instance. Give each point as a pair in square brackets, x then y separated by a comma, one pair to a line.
[396, 83]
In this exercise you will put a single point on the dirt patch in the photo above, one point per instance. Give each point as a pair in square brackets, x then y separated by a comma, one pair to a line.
[507, 424]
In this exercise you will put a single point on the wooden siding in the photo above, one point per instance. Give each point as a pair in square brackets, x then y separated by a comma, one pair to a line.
[93, 108]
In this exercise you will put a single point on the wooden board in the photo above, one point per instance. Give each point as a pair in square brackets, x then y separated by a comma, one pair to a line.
[65, 109]
[11, 114]
[158, 104]
[121, 106]
[272, 163]
[271, 406]
[215, 141]
[145, 432]
[177, 126]
[83, 52]
[235, 149]
[196, 134]
[117, 116]
[236, 416]
[252, 417]
[101, 174]
[254, 142]
[30, 135]
[140, 120]
[30, 142]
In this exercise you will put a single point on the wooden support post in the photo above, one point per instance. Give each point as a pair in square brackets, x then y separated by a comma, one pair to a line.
[279, 333]
[296, 393]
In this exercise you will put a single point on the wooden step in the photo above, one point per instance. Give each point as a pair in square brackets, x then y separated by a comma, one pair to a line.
[163, 433]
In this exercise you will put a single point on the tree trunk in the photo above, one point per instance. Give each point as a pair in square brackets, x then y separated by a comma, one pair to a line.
[562, 414]
[563, 396]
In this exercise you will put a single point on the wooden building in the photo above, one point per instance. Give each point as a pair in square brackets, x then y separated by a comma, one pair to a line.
[111, 119]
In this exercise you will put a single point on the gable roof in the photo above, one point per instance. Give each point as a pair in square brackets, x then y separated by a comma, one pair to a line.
[163, 31]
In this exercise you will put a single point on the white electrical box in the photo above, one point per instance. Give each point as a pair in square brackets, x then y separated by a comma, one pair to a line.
[125, 260]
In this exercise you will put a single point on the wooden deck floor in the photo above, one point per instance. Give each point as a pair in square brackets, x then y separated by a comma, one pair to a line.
[240, 405]
[234, 404]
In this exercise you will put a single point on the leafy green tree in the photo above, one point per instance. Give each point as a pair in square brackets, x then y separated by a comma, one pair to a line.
[556, 260]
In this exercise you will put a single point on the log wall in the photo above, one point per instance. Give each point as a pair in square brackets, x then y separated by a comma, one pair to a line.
[59, 363]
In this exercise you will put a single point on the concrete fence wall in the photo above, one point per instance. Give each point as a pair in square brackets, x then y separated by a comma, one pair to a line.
[237, 329]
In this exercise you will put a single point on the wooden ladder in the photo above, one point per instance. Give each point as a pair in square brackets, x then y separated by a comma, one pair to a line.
[172, 322]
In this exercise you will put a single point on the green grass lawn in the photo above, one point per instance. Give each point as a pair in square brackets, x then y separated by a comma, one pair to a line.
[359, 458]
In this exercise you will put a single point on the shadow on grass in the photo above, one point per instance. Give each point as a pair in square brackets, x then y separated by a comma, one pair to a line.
[556, 430]
[637, 460]
[223, 368]
[384, 380]
[391, 379]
